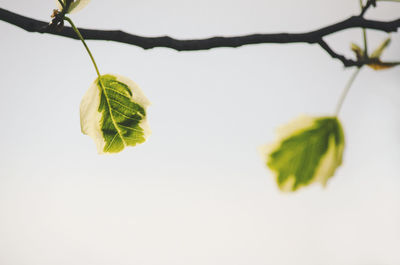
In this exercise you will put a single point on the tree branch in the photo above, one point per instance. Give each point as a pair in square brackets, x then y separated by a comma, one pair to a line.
[346, 62]
[312, 37]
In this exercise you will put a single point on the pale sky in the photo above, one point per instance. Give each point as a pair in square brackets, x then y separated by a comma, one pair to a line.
[197, 192]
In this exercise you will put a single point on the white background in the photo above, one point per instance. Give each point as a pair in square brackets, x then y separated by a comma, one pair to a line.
[197, 192]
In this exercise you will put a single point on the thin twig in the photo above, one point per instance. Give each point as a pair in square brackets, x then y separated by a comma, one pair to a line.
[346, 62]
[367, 6]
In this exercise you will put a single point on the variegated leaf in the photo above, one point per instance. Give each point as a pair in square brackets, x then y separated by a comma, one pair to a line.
[113, 113]
[307, 150]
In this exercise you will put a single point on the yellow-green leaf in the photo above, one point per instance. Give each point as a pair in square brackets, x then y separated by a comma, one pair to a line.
[113, 113]
[378, 51]
[307, 150]
[379, 65]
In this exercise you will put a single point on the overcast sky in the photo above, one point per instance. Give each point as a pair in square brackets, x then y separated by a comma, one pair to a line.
[197, 192]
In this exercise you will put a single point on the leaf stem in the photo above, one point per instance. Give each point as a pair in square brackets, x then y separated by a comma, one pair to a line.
[84, 44]
[365, 43]
[346, 91]
[364, 34]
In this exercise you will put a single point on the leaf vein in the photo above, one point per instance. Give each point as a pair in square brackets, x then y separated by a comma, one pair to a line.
[122, 114]
[129, 108]
[111, 142]
[130, 128]
[118, 92]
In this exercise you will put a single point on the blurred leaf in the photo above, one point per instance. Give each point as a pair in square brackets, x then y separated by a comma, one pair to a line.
[75, 5]
[307, 150]
[382, 65]
[378, 51]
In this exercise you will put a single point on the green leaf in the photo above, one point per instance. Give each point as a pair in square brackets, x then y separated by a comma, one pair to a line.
[113, 113]
[307, 150]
